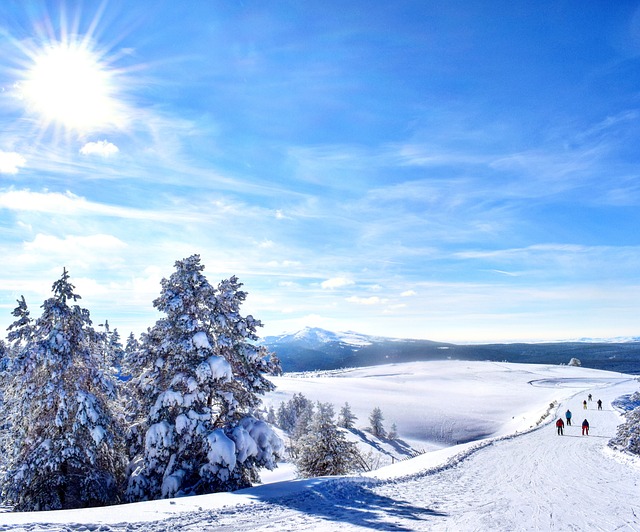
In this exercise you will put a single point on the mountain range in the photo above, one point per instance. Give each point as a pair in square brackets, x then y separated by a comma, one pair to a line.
[313, 349]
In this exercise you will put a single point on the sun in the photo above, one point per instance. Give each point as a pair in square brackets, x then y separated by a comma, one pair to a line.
[67, 84]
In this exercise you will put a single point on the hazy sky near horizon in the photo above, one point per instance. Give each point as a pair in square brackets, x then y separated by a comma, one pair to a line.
[457, 171]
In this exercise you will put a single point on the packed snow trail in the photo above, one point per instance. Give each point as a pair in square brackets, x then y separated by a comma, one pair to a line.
[533, 481]
[538, 481]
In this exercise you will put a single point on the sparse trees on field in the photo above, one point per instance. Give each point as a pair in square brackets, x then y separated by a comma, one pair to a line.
[324, 448]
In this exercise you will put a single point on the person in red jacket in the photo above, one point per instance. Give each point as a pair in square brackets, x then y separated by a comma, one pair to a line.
[560, 426]
[585, 427]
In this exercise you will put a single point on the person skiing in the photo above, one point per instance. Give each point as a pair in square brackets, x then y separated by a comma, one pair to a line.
[585, 427]
[599, 404]
[568, 416]
[560, 426]
[584, 404]
[590, 397]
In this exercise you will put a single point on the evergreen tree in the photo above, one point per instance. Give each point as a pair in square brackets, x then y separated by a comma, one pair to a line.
[304, 419]
[200, 375]
[113, 353]
[376, 419]
[324, 449]
[284, 419]
[271, 416]
[393, 433]
[66, 450]
[289, 412]
[346, 418]
[131, 348]
[21, 330]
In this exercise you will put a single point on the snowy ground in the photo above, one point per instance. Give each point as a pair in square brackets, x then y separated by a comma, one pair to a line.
[534, 480]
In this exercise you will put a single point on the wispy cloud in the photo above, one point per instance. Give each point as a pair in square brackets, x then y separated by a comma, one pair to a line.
[68, 204]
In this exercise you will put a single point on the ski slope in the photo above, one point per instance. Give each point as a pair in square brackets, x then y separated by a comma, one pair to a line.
[533, 480]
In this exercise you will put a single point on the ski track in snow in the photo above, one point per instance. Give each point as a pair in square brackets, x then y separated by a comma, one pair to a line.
[531, 481]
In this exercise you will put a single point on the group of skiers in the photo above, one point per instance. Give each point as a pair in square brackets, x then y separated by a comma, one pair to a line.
[568, 415]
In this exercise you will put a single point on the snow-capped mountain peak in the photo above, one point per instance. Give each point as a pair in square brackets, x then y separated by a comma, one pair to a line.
[315, 336]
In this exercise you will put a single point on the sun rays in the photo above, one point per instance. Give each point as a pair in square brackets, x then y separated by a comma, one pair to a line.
[66, 83]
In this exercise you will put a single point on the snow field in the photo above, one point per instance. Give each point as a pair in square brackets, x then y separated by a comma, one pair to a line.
[533, 481]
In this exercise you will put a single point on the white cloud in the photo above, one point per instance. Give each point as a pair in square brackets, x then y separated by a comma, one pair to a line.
[408, 293]
[101, 147]
[11, 162]
[373, 300]
[336, 282]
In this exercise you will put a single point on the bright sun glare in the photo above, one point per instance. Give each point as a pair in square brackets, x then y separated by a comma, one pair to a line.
[67, 85]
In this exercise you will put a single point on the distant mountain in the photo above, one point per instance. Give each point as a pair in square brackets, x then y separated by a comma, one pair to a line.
[314, 336]
[318, 349]
[616, 340]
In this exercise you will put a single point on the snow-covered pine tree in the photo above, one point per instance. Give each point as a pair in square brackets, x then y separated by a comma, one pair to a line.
[66, 450]
[346, 418]
[21, 330]
[135, 404]
[324, 449]
[20, 333]
[628, 433]
[289, 412]
[304, 418]
[131, 348]
[201, 375]
[130, 357]
[113, 349]
[5, 441]
[376, 419]
[271, 416]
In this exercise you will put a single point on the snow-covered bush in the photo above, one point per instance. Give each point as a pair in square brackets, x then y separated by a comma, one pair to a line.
[65, 449]
[628, 434]
[574, 362]
[199, 376]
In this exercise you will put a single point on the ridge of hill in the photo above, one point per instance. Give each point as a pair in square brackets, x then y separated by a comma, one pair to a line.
[313, 349]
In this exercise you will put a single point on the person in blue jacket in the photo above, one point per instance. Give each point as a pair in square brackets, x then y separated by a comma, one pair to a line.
[568, 416]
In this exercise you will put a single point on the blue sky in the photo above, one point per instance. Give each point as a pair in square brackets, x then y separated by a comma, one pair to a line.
[458, 171]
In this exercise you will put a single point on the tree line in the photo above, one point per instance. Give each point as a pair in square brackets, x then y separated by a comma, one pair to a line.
[88, 421]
